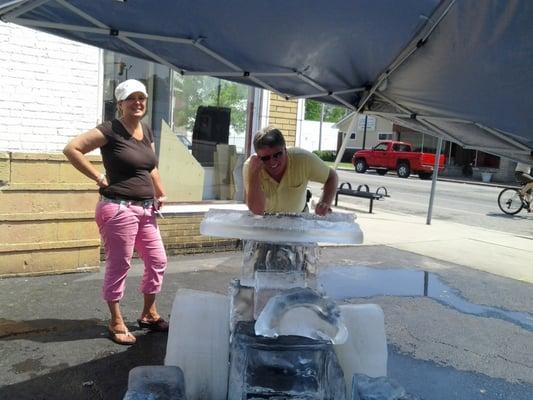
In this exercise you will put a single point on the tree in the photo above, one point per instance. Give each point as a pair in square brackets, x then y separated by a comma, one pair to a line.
[312, 110]
[190, 92]
[332, 113]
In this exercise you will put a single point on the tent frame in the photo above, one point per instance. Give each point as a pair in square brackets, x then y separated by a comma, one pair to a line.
[14, 11]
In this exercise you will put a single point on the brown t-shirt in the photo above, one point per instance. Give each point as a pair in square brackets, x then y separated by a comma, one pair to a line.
[127, 162]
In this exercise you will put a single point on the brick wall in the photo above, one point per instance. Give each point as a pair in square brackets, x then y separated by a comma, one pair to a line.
[46, 216]
[49, 90]
[181, 235]
[47, 219]
[282, 114]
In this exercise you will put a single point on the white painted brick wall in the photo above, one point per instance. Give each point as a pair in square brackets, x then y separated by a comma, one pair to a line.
[48, 90]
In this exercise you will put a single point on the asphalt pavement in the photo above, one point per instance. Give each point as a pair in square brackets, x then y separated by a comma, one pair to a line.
[458, 303]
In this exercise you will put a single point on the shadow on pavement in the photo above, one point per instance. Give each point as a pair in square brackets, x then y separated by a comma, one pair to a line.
[523, 215]
[104, 378]
[51, 330]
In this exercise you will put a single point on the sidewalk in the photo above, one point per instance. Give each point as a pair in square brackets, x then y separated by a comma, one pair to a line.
[499, 253]
[54, 345]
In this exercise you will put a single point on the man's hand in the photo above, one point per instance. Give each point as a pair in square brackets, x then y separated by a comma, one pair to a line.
[322, 208]
[255, 198]
[255, 166]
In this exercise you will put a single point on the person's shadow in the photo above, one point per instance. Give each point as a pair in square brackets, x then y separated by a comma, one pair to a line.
[103, 378]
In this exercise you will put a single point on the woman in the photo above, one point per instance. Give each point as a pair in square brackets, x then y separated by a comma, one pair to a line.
[130, 193]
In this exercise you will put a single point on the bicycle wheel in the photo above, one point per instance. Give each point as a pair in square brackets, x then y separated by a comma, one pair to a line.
[510, 201]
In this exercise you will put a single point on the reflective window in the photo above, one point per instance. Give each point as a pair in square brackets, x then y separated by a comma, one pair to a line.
[156, 78]
[214, 100]
[190, 116]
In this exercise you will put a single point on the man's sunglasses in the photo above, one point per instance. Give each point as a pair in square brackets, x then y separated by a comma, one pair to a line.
[275, 156]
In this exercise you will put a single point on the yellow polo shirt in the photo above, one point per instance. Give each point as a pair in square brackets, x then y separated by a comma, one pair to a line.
[289, 194]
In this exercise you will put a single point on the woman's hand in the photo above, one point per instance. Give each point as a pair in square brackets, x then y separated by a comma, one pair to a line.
[159, 201]
[102, 181]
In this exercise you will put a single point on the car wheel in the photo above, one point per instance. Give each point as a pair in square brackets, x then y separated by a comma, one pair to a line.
[360, 166]
[381, 171]
[403, 170]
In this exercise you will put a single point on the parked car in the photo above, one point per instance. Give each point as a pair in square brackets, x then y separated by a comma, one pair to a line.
[393, 155]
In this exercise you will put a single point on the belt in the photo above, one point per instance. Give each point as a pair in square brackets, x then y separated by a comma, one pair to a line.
[140, 203]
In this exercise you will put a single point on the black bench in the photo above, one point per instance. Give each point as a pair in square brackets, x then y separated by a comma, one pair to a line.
[362, 191]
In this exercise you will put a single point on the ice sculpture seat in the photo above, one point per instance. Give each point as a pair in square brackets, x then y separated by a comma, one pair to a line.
[282, 228]
[286, 367]
[276, 335]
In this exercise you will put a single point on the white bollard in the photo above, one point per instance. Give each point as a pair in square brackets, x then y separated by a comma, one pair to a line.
[198, 343]
[365, 350]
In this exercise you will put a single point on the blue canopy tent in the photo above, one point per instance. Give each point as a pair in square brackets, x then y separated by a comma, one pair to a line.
[457, 69]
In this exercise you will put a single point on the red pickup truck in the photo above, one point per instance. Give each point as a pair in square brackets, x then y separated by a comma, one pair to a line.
[393, 155]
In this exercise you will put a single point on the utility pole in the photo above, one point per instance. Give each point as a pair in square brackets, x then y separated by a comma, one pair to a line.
[364, 132]
[320, 131]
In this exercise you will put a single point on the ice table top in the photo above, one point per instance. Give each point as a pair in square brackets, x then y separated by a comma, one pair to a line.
[339, 228]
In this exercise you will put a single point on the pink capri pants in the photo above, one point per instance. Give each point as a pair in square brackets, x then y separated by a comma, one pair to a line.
[125, 227]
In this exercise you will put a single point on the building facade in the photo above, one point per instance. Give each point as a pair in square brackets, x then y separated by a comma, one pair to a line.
[54, 89]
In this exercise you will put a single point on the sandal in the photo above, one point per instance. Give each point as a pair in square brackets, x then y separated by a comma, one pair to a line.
[124, 337]
[159, 325]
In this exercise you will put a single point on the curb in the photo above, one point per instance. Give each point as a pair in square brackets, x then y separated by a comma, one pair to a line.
[464, 181]
[477, 183]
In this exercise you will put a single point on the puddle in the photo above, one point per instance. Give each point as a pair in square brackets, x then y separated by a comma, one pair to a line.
[355, 282]
[30, 365]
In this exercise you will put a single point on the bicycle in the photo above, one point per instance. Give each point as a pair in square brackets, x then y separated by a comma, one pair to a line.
[511, 201]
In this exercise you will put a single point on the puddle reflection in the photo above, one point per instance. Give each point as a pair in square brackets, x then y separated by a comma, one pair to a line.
[353, 282]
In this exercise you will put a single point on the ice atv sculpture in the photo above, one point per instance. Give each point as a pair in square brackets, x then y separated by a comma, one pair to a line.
[275, 335]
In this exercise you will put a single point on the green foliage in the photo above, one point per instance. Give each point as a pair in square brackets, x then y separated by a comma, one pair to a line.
[332, 113]
[326, 155]
[190, 92]
[312, 110]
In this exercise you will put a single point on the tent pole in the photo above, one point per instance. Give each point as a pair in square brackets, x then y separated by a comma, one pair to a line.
[434, 180]
[12, 5]
[23, 9]
[345, 140]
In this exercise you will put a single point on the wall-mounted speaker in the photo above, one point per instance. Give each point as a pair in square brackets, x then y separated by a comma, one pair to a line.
[211, 127]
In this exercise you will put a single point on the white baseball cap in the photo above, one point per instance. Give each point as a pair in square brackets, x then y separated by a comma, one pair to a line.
[124, 89]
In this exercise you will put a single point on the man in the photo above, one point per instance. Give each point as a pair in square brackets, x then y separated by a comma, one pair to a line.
[276, 177]
[523, 175]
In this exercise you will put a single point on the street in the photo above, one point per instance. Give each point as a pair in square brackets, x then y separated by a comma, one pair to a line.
[460, 341]
[463, 203]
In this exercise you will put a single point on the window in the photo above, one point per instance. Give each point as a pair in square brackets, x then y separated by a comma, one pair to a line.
[352, 136]
[400, 147]
[118, 68]
[385, 136]
[191, 92]
[381, 147]
[216, 110]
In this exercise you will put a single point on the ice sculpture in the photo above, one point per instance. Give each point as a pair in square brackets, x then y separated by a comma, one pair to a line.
[302, 312]
[262, 257]
[198, 342]
[155, 382]
[383, 388]
[282, 228]
[275, 335]
[289, 367]
[365, 350]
